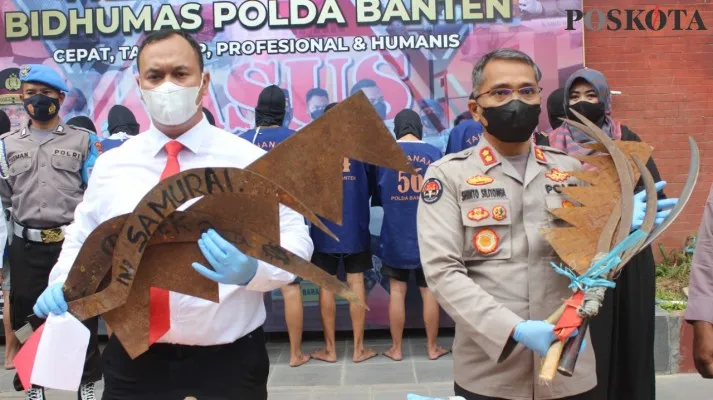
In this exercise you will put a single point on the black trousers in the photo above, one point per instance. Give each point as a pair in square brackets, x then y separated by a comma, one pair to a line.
[459, 391]
[30, 266]
[237, 370]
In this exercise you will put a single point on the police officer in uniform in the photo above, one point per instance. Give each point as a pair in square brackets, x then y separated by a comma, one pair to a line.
[479, 222]
[45, 170]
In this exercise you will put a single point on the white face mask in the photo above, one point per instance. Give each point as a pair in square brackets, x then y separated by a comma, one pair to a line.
[170, 104]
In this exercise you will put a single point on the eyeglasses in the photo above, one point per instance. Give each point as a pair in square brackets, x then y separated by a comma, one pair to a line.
[501, 94]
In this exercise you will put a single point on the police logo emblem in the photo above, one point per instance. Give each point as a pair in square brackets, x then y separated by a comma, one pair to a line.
[13, 83]
[556, 175]
[52, 108]
[25, 71]
[432, 191]
[31, 109]
[480, 180]
[499, 213]
[478, 214]
[486, 241]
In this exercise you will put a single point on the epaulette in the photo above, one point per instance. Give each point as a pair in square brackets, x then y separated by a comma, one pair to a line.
[461, 155]
[79, 128]
[552, 150]
[7, 134]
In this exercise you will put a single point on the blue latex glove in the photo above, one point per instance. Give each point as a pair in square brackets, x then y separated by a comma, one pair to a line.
[537, 336]
[230, 265]
[640, 207]
[51, 301]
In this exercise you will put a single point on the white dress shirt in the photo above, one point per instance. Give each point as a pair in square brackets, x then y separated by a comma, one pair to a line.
[123, 176]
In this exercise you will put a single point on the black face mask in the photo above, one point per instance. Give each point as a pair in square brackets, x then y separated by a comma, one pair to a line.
[41, 108]
[316, 113]
[380, 108]
[592, 111]
[513, 122]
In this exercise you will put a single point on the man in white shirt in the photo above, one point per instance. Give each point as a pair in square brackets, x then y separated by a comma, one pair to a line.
[209, 350]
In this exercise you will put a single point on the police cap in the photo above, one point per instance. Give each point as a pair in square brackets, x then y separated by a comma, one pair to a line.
[42, 74]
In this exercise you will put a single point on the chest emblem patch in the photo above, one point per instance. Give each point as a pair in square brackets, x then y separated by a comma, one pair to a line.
[478, 214]
[499, 213]
[556, 175]
[479, 180]
[486, 241]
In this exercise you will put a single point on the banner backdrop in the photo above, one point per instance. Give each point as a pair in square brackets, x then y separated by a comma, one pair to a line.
[416, 54]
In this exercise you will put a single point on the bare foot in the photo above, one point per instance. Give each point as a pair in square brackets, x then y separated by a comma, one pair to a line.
[324, 355]
[364, 355]
[438, 352]
[299, 360]
[394, 354]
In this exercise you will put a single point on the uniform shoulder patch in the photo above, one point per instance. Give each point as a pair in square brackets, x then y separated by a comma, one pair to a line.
[552, 150]
[432, 190]
[461, 155]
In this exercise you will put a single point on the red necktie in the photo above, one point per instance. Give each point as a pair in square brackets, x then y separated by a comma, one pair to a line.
[159, 305]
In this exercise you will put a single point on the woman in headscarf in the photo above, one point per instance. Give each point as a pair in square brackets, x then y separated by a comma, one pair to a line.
[122, 126]
[623, 332]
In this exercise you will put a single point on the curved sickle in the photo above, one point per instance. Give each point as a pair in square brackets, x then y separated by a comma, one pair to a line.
[649, 218]
[626, 178]
[163, 200]
[693, 171]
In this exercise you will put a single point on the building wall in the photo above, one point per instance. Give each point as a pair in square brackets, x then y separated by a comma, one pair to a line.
[666, 80]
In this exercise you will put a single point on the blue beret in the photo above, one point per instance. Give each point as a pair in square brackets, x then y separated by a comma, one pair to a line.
[42, 74]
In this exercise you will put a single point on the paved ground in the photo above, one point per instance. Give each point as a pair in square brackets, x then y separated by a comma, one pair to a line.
[380, 378]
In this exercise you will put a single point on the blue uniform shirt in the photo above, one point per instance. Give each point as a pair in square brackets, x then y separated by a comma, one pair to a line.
[267, 138]
[354, 234]
[466, 135]
[398, 194]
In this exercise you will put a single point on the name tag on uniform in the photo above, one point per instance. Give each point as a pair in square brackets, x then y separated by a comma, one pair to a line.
[18, 156]
[68, 153]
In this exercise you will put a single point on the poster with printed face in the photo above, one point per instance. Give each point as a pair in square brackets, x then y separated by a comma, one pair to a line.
[416, 54]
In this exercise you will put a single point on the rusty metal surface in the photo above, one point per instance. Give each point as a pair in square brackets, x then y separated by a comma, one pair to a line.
[154, 246]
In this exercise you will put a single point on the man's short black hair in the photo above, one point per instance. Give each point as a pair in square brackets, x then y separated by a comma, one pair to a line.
[316, 92]
[158, 36]
[364, 83]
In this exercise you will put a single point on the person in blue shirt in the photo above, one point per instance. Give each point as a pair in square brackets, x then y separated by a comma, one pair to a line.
[270, 115]
[268, 133]
[354, 250]
[398, 193]
[317, 100]
[122, 126]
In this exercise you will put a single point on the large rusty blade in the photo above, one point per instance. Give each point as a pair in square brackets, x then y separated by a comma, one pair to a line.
[693, 171]
[352, 129]
[130, 322]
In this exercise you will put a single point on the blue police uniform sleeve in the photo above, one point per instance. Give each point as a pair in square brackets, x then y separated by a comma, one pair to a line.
[92, 155]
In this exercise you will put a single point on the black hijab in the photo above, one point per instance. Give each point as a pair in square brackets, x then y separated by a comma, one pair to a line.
[408, 122]
[271, 106]
[4, 122]
[555, 109]
[81, 121]
[121, 119]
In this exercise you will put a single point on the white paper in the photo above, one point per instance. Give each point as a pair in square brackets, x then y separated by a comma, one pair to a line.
[61, 353]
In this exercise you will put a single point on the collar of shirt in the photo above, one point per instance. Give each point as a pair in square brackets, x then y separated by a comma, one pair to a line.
[193, 139]
[410, 141]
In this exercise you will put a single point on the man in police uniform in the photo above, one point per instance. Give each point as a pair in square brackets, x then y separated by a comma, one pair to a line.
[45, 170]
[479, 222]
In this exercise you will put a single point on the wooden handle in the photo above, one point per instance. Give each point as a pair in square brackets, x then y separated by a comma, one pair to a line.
[571, 350]
[549, 366]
